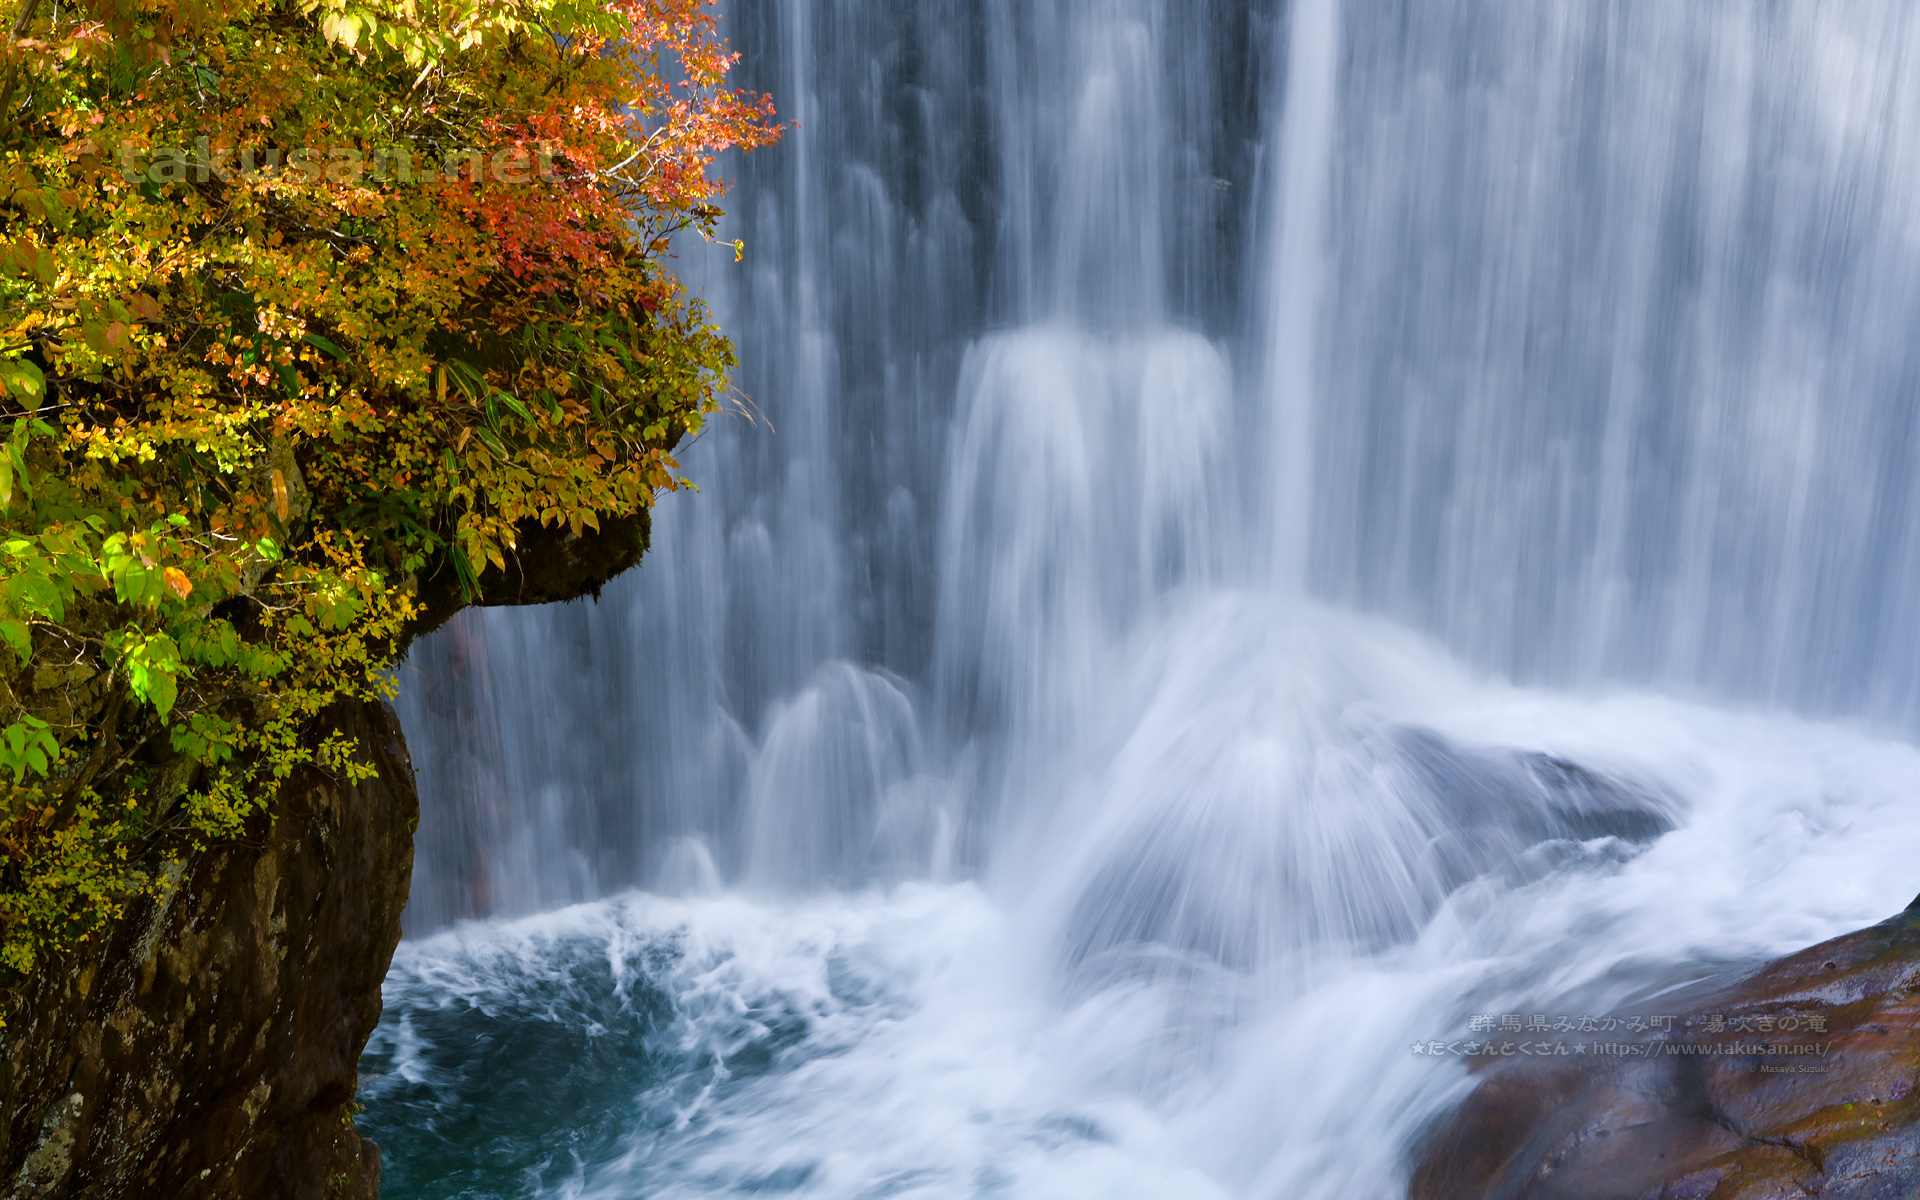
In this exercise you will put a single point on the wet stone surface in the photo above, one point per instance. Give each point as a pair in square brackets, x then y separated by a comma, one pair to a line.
[1833, 1113]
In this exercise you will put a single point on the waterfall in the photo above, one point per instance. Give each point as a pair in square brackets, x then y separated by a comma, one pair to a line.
[1619, 387]
[987, 333]
[1293, 292]
[1251, 520]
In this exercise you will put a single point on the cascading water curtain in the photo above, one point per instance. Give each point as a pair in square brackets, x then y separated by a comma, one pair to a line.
[1258, 530]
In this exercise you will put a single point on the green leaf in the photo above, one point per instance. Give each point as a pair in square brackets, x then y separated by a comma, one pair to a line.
[514, 404]
[204, 736]
[18, 461]
[28, 742]
[24, 379]
[315, 340]
[35, 593]
[212, 643]
[152, 664]
[138, 585]
[162, 691]
[18, 637]
[464, 576]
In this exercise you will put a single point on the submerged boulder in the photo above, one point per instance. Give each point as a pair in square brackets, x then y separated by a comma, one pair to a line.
[1799, 1079]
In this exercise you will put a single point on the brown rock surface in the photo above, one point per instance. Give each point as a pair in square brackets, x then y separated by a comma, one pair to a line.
[1840, 1120]
[208, 1047]
[550, 566]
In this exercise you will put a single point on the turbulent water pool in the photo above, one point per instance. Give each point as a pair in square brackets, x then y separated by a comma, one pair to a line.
[995, 1039]
[1259, 532]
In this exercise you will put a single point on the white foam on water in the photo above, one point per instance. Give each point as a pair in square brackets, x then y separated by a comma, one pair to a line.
[965, 1040]
[1577, 337]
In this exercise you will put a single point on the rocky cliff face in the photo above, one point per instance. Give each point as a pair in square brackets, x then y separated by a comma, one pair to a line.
[1801, 1079]
[206, 1046]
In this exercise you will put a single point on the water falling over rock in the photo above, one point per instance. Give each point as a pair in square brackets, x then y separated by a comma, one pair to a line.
[1258, 531]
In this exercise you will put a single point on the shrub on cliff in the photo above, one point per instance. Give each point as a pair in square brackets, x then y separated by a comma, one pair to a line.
[308, 309]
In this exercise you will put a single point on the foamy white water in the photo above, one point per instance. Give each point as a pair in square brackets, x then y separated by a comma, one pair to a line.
[1280, 526]
[1189, 982]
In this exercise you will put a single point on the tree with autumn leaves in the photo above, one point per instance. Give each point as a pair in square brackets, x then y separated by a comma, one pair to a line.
[310, 310]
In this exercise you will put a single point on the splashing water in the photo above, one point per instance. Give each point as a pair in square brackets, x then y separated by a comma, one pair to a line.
[1202, 981]
[1290, 525]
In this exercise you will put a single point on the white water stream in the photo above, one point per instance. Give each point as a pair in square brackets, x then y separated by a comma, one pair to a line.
[1283, 527]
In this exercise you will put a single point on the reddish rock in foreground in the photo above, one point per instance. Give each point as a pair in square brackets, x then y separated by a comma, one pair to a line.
[1711, 1123]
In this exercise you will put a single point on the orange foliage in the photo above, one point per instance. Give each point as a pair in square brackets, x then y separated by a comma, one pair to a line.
[303, 304]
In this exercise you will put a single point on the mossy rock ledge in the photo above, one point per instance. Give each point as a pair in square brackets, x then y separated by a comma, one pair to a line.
[205, 1047]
